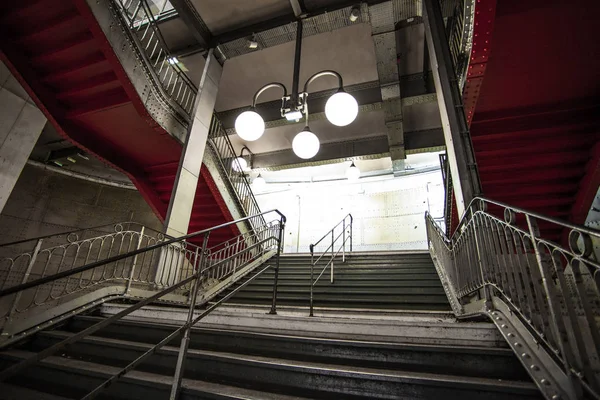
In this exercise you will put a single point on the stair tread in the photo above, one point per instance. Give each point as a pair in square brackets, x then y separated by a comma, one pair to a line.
[308, 366]
[14, 392]
[375, 344]
[147, 378]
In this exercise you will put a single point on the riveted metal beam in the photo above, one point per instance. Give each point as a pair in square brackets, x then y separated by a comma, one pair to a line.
[461, 157]
[369, 148]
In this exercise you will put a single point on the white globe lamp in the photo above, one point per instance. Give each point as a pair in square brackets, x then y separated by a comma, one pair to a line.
[353, 173]
[239, 164]
[306, 144]
[249, 126]
[341, 109]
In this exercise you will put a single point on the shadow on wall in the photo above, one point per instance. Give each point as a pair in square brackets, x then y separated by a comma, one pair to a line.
[45, 203]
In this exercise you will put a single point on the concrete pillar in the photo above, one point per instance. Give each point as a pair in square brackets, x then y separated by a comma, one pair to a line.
[182, 199]
[21, 123]
[465, 177]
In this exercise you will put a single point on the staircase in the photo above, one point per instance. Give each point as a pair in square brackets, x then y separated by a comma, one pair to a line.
[58, 51]
[396, 281]
[536, 139]
[224, 363]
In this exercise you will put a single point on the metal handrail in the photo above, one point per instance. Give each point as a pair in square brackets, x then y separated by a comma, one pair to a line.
[155, 53]
[76, 231]
[220, 144]
[334, 253]
[499, 264]
[460, 38]
[267, 245]
[64, 274]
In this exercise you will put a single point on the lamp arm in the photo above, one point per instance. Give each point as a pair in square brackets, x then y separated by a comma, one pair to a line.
[247, 149]
[324, 73]
[266, 87]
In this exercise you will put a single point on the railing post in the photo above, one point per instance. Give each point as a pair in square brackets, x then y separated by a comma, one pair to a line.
[332, 253]
[185, 341]
[279, 248]
[15, 302]
[134, 262]
[344, 241]
[554, 306]
[480, 250]
[312, 267]
[351, 233]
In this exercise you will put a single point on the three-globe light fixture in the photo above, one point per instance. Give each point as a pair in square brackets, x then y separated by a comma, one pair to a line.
[341, 109]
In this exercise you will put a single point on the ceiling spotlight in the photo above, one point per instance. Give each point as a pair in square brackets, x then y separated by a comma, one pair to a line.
[173, 60]
[354, 13]
[259, 182]
[239, 164]
[249, 126]
[252, 44]
[306, 144]
[353, 173]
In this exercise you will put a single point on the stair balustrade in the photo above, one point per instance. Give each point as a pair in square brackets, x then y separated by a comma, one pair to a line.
[543, 296]
[165, 269]
[330, 253]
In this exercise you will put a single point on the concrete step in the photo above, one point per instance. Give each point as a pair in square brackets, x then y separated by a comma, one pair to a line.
[291, 283]
[422, 327]
[498, 363]
[75, 378]
[307, 378]
[357, 276]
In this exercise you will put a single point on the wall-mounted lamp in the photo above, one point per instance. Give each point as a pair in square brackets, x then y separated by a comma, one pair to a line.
[259, 182]
[353, 173]
[239, 164]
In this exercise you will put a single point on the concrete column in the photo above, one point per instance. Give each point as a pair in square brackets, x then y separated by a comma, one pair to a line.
[182, 199]
[21, 123]
[465, 177]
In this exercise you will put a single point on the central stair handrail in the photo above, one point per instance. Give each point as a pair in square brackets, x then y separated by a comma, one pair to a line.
[345, 234]
[265, 244]
[543, 296]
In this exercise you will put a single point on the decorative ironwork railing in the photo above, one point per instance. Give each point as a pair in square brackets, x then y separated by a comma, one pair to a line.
[544, 296]
[178, 272]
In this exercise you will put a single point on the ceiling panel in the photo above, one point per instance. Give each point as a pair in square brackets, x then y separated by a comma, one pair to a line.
[349, 51]
[223, 16]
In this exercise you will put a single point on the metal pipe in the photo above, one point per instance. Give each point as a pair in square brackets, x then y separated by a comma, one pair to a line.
[82, 176]
[297, 57]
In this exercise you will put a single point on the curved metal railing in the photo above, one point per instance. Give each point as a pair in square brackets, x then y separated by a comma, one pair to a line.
[460, 38]
[499, 263]
[220, 144]
[199, 271]
[345, 233]
[144, 29]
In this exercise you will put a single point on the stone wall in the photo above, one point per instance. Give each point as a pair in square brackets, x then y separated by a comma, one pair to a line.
[45, 202]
